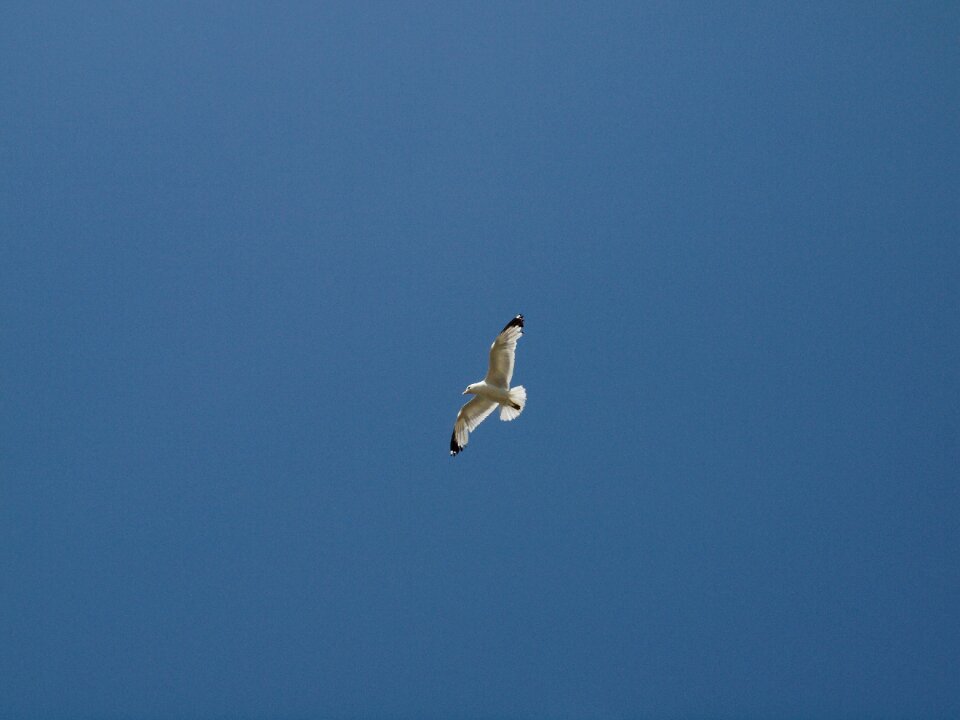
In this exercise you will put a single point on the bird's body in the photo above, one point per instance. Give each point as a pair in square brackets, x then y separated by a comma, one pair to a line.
[499, 395]
[494, 390]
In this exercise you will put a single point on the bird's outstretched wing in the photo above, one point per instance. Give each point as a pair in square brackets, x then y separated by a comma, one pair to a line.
[470, 415]
[503, 352]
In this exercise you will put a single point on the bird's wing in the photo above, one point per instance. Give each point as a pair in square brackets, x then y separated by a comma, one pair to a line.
[503, 352]
[470, 415]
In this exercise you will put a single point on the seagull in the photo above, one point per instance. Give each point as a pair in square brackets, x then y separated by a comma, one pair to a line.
[494, 390]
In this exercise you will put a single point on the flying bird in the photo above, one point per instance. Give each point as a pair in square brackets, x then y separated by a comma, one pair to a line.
[494, 390]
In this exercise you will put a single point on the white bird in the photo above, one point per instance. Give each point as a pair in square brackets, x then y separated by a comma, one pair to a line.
[494, 389]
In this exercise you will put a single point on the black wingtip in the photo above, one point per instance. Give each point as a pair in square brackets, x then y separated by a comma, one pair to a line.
[454, 448]
[516, 322]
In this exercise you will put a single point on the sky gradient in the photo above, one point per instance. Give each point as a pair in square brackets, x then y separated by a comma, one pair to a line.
[251, 253]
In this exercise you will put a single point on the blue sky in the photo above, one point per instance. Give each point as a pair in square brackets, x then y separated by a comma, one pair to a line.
[251, 253]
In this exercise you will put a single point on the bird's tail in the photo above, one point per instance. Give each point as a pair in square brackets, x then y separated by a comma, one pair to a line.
[518, 398]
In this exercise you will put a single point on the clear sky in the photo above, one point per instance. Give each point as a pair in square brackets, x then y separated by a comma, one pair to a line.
[251, 253]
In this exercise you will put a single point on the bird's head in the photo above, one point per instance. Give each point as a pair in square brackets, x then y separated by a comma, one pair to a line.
[469, 390]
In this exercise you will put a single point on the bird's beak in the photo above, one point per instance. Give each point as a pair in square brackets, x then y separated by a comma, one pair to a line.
[466, 391]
